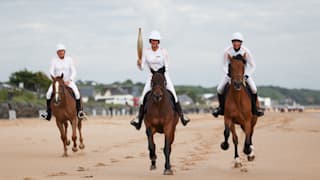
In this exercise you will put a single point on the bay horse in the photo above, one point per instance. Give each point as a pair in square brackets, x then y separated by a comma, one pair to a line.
[63, 107]
[160, 117]
[238, 111]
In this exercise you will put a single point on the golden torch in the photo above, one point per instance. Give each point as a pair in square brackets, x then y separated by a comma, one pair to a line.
[139, 45]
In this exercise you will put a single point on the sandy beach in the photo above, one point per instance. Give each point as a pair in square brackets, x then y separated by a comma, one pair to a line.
[286, 147]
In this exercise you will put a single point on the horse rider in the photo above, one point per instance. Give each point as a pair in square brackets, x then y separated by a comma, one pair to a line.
[155, 58]
[236, 50]
[63, 64]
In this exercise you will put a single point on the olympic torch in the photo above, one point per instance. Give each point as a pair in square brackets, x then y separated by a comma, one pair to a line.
[139, 46]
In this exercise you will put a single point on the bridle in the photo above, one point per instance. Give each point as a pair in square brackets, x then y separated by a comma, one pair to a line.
[237, 79]
[58, 93]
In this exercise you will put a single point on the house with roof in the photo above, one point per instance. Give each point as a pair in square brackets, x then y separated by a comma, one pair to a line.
[113, 94]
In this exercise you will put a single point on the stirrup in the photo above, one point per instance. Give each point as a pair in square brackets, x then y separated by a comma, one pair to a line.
[44, 116]
[82, 115]
[259, 112]
[184, 120]
[218, 111]
[136, 124]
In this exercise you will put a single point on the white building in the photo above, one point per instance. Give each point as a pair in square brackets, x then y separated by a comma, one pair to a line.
[115, 95]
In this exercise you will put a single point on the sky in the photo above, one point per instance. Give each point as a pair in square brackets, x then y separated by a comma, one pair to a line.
[101, 36]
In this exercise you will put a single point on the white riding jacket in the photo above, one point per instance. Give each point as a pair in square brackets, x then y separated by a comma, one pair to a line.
[250, 65]
[249, 68]
[156, 60]
[67, 67]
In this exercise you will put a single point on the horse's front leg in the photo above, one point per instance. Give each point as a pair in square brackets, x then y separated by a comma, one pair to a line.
[66, 132]
[251, 156]
[225, 145]
[169, 138]
[248, 141]
[74, 123]
[63, 137]
[235, 142]
[152, 149]
[81, 146]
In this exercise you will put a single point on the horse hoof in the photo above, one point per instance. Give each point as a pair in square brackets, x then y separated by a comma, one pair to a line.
[153, 167]
[168, 172]
[68, 142]
[237, 165]
[247, 150]
[81, 146]
[225, 146]
[64, 155]
[251, 158]
[74, 149]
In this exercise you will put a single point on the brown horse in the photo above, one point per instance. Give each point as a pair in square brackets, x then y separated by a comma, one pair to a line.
[238, 111]
[63, 108]
[160, 117]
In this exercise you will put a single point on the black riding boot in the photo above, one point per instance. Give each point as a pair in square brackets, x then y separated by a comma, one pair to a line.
[255, 110]
[48, 114]
[138, 124]
[80, 113]
[183, 119]
[219, 110]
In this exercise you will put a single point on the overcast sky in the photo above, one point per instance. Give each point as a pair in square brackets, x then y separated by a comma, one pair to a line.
[101, 36]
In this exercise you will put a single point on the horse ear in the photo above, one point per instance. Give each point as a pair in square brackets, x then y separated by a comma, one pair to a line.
[152, 71]
[61, 76]
[52, 77]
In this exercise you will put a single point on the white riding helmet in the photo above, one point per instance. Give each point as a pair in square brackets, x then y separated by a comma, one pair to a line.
[237, 36]
[60, 47]
[155, 35]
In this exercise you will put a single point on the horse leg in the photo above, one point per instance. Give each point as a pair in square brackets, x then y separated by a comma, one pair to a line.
[169, 137]
[81, 146]
[66, 132]
[248, 132]
[74, 134]
[225, 145]
[237, 163]
[251, 156]
[63, 137]
[152, 149]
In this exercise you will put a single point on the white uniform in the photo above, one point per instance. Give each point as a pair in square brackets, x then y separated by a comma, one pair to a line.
[67, 67]
[249, 68]
[156, 60]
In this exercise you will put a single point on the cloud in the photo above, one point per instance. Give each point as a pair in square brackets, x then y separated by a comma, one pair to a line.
[101, 35]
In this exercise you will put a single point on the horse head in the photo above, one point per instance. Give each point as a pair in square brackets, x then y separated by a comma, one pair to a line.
[58, 88]
[158, 84]
[237, 70]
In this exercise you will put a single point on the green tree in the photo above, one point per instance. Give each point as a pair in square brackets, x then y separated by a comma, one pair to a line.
[37, 81]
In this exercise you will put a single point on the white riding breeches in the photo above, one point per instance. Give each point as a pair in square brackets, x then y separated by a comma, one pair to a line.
[169, 86]
[223, 83]
[227, 79]
[72, 85]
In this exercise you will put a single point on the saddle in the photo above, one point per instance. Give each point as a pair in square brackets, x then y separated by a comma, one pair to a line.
[71, 92]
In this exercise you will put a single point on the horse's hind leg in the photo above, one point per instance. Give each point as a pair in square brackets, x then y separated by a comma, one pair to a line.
[225, 145]
[63, 137]
[74, 134]
[169, 137]
[152, 149]
[235, 142]
[81, 146]
[66, 132]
